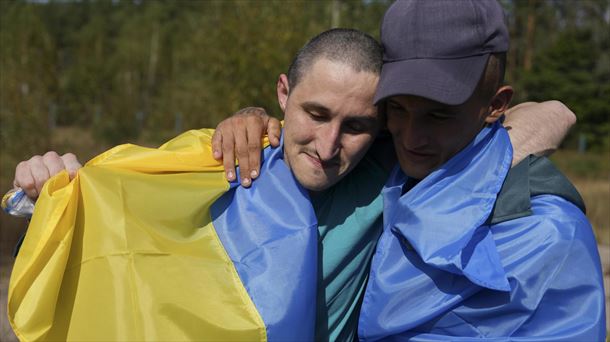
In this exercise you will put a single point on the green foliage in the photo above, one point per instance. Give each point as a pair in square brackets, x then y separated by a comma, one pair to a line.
[27, 78]
[128, 67]
[574, 70]
[134, 70]
[583, 165]
[567, 47]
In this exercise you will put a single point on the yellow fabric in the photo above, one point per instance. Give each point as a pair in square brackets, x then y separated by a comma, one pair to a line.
[127, 251]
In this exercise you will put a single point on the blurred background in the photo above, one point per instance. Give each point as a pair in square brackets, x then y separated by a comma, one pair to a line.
[82, 76]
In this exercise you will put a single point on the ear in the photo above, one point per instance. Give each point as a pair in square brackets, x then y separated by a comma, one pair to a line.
[499, 103]
[283, 89]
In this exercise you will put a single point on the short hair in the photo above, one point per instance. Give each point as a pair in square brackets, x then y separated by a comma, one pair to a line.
[352, 47]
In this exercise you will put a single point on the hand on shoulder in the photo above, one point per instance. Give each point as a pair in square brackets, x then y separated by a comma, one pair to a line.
[239, 137]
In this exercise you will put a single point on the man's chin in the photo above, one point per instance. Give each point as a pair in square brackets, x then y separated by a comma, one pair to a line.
[314, 179]
[416, 172]
[315, 185]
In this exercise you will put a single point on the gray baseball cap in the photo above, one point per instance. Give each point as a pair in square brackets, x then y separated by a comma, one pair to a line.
[438, 49]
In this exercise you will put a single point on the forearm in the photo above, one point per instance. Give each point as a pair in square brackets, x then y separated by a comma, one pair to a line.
[537, 128]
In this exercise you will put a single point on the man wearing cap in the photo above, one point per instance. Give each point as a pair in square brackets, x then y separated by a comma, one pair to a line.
[471, 248]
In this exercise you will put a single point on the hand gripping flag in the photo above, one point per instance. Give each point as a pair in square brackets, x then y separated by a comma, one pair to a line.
[154, 244]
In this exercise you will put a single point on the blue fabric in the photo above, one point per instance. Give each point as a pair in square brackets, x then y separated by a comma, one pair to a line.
[275, 254]
[440, 273]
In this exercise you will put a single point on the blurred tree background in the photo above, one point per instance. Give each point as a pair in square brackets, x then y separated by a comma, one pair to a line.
[145, 70]
[85, 75]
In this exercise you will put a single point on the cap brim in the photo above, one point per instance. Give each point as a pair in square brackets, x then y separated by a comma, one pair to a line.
[449, 81]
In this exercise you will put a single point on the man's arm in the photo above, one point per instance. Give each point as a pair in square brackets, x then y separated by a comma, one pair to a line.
[534, 128]
[537, 128]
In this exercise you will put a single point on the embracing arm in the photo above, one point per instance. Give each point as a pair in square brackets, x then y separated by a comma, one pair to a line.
[534, 128]
[537, 128]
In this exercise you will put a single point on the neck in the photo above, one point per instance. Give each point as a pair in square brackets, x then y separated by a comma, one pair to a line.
[409, 184]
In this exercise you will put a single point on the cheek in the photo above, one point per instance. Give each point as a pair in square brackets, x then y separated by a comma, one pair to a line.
[393, 124]
[445, 136]
[354, 148]
[298, 129]
[293, 139]
[404, 129]
[453, 139]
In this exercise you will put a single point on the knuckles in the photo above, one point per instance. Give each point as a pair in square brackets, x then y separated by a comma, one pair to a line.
[241, 151]
[69, 155]
[51, 154]
[34, 159]
[253, 146]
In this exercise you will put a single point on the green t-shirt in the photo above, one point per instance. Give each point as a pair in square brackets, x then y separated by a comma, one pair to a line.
[349, 224]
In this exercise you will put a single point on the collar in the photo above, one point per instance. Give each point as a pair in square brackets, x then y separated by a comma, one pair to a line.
[514, 197]
[533, 176]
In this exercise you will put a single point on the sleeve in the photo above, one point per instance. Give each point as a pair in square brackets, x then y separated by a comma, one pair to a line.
[570, 307]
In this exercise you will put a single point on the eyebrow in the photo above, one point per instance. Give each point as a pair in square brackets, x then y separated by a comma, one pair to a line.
[441, 109]
[316, 107]
[444, 111]
[367, 120]
[321, 109]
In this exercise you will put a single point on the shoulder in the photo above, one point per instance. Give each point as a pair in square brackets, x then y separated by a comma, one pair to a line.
[550, 216]
[557, 209]
[556, 234]
[529, 179]
[555, 214]
[551, 261]
[559, 217]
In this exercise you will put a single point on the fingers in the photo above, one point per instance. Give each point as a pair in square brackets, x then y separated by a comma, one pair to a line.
[31, 175]
[228, 156]
[242, 151]
[40, 172]
[24, 178]
[239, 137]
[254, 133]
[274, 131]
[217, 143]
[52, 163]
[71, 163]
[223, 147]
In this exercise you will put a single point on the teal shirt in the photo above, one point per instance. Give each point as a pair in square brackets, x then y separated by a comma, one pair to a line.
[349, 224]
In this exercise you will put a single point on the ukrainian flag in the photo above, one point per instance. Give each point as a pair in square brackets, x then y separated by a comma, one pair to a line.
[154, 244]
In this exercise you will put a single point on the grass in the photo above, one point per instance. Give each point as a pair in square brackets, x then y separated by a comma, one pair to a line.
[589, 165]
[596, 193]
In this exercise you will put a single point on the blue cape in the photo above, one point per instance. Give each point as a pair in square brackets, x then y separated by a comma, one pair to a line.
[443, 272]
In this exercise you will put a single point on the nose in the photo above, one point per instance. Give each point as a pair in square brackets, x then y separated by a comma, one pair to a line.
[410, 131]
[328, 142]
[415, 136]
